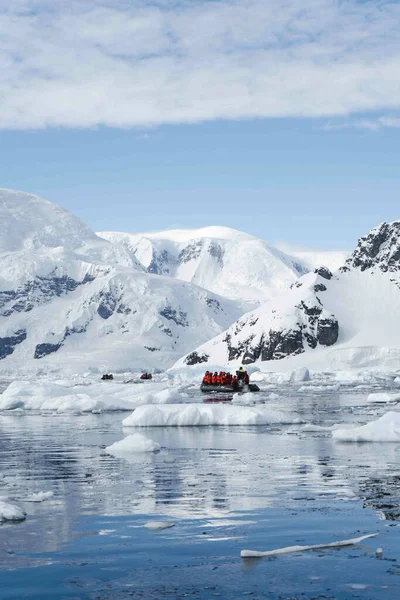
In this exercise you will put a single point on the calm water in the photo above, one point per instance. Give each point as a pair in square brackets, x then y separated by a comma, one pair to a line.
[225, 489]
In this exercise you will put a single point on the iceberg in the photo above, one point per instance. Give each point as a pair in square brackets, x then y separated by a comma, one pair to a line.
[133, 443]
[384, 429]
[11, 512]
[194, 415]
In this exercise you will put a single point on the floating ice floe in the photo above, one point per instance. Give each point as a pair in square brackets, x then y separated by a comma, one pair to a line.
[39, 497]
[158, 525]
[98, 397]
[320, 388]
[251, 398]
[131, 444]
[11, 512]
[384, 429]
[291, 549]
[384, 397]
[192, 415]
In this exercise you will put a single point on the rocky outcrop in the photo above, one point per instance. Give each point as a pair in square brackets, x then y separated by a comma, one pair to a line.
[177, 316]
[314, 327]
[38, 291]
[323, 272]
[7, 344]
[194, 358]
[379, 248]
[295, 322]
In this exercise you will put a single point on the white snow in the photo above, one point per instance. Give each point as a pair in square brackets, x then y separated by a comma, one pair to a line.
[158, 525]
[368, 328]
[384, 429]
[230, 263]
[193, 415]
[11, 512]
[84, 302]
[132, 443]
[291, 549]
[97, 397]
[39, 497]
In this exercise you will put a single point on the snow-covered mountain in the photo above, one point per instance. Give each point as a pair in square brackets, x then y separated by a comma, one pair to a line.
[229, 263]
[351, 318]
[71, 299]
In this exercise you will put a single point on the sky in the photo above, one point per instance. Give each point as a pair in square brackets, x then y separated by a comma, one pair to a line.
[277, 117]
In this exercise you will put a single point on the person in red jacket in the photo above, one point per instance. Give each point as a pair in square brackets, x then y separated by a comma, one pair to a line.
[206, 378]
[214, 379]
[246, 378]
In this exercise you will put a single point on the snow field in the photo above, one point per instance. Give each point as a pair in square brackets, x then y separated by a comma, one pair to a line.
[131, 444]
[194, 415]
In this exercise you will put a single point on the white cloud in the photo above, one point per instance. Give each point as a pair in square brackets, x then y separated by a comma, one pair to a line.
[81, 63]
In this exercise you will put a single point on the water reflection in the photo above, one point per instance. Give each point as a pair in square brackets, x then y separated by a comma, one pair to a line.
[201, 473]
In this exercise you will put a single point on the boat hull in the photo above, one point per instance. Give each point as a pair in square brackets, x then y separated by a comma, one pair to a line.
[228, 389]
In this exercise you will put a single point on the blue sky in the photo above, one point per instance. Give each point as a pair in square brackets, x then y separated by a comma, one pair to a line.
[278, 119]
[284, 180]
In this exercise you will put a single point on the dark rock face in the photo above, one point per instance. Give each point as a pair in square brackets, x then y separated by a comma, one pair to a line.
[46, 348]
[107, 305]
[191, 252]
[327, 331]
[319, 287]
[194, 358]
[7, 344]
[312, 328]
[110, 302]
[180, 318]
[323, 272]
[42, 350]
[37, 292]
[216, 252]
[213, 303]
[379, 248]
[161, 263]
[283, 344]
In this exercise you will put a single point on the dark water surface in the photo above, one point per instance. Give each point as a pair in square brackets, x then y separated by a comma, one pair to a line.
[225, 489]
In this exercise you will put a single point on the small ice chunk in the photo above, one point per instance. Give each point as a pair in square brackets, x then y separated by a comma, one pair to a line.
[158, 525]
[39, 497]
[290, 549]
[133, 443]
[11, 512]
[384, 429]
[301, 374]
[383, 397]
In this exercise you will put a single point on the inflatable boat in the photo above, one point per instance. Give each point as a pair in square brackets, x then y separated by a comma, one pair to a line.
[251, 387]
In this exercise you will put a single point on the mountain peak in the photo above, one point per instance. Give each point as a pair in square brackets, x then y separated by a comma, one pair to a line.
[30, 222]
[378, 248]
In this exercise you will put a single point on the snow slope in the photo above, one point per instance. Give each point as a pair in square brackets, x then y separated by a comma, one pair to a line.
[349, 319]
[229, 263]
[72, 300]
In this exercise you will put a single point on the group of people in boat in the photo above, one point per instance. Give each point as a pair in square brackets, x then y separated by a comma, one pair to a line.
[146, 376]
[223, 378]
[107, 377]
